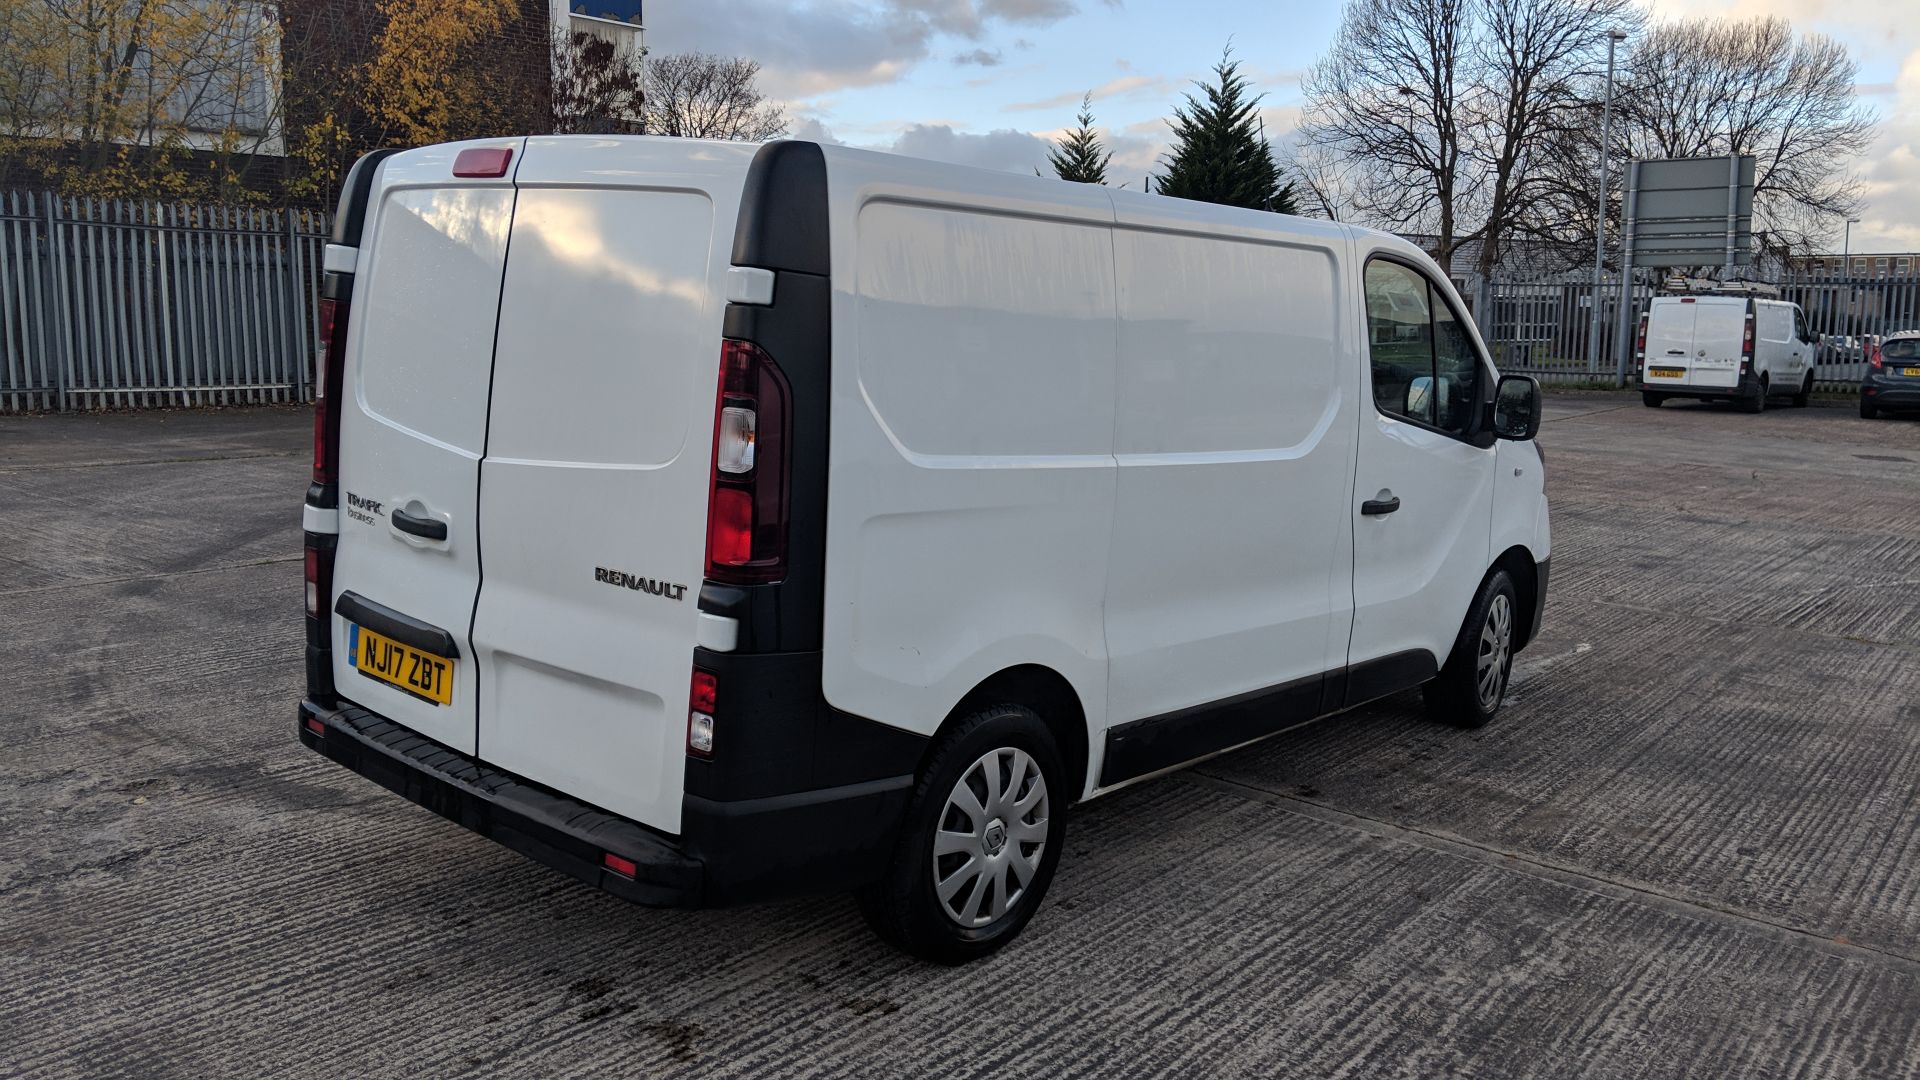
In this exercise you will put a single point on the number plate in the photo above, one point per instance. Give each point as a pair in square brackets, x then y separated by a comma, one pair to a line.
[1667, 372]
[1915, 371]
[400, 666]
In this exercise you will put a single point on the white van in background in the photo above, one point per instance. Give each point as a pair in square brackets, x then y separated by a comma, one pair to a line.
[1725, 348]
[714, 522]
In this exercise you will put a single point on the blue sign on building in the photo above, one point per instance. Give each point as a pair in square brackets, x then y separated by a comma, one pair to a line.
[626, 11]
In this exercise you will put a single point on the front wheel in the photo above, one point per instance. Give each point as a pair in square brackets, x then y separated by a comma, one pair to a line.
[1469, 689]
[981, 839]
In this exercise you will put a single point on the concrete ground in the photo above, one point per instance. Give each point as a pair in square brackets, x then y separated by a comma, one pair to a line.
[1689, 847]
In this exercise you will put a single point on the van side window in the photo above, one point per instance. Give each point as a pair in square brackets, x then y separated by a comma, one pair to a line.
[1400, 341]
[1424, 364]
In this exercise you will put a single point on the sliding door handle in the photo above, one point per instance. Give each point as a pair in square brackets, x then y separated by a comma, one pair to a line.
[1376, 507]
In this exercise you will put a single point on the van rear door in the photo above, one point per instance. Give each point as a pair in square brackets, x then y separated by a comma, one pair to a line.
[413, 426]
[1719, 339]
[593, 492]
[1669, 350]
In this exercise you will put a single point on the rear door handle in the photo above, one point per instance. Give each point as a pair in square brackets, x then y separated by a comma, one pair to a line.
[425, 528]
[1380, 506]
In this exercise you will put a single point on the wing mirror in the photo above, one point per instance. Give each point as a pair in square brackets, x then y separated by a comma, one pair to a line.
[1516, 407]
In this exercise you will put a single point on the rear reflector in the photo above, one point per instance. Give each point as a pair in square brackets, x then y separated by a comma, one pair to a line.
[701, 699]
[316, 726]
[623, 867]
[487, 162]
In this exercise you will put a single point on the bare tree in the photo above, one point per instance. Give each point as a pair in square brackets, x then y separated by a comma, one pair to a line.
[1535, 59]
[1443, 110]
[1387, 99]
[1704, 87]
[596, 85]
[702, 96]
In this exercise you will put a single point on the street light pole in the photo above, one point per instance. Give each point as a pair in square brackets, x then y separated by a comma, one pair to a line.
[1614, 37]
[1846, 247]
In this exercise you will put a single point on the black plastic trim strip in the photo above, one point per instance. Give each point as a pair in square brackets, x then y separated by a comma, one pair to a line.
[1541, 567]
[1372, 679]
[350, 219]
[783, 227]
[783, 211]
[402, 628]
[1139, 747]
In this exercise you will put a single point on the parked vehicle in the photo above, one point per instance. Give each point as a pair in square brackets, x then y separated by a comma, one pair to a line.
[1892, 382]
[1725, 348]
[713, 522]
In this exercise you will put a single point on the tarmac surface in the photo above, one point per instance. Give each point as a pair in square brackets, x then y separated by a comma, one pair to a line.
[1690, 845]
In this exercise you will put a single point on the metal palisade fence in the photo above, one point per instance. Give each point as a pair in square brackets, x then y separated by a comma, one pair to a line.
[1542, 329]
[124, 303]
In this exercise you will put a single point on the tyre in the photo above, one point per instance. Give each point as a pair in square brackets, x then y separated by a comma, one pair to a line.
[1468, 691]
[1650, 399]
[1758, 402]
[1867, 409]
[981, 838]
[1806, 392]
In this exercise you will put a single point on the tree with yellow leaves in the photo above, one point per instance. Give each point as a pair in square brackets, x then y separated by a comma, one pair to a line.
[138, 97]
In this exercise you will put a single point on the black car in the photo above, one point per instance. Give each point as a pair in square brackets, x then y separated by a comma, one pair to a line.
[1893, 376]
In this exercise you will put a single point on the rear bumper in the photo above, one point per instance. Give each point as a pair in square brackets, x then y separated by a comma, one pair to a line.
[1748, 387]
[728, 852]
[1895, 392]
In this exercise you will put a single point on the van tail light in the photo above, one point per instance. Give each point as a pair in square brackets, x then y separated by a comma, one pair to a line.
[748, 510]
[1746, 340]
[1640, 344]
[700, 702]
[327, 372]
[319, 579]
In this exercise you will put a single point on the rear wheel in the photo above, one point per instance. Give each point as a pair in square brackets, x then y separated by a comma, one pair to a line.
[1758, 402]
[1650, 399]
[1806, 392]
[1867, 409]
[980, 842]
[1468, 691]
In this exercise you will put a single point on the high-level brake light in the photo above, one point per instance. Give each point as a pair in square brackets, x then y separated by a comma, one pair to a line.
[483, 162]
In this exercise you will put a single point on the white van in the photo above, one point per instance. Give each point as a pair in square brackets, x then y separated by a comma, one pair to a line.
[1724, 348]
[713, 522]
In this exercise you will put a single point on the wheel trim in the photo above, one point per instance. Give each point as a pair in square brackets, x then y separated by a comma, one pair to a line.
[990, 836]
[1496, 651]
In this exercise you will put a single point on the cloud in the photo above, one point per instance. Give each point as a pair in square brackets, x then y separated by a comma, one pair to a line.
[1007, 149]
[1890, 218]
[817, 46]
[1126, 86]
[981, 57]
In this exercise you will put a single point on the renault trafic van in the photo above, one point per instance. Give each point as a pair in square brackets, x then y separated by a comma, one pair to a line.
[713, 522]
[1725, 348]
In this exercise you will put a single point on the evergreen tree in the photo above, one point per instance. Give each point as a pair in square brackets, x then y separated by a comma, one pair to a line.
[1219, 154]
[1080, 157]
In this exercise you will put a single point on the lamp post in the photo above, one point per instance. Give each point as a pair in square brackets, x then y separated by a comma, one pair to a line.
[1614, 38]
[1846, 247]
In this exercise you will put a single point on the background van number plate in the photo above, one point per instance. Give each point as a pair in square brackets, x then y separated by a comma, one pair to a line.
[400, 666]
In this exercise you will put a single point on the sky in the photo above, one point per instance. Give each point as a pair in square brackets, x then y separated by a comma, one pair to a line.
[990, 82]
